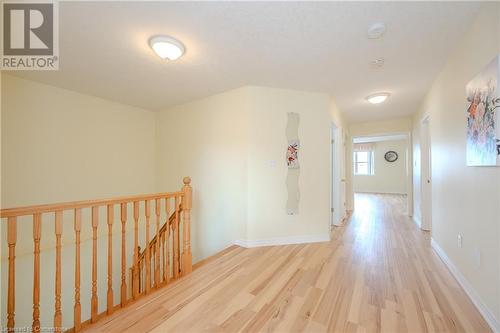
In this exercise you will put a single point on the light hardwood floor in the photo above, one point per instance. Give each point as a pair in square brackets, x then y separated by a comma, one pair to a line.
[377, 274]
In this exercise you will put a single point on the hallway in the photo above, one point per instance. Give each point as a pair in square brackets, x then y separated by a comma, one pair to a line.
[378, 273]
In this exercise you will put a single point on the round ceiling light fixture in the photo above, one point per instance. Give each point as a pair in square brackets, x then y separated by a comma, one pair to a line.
[378, 97]
[167, 47]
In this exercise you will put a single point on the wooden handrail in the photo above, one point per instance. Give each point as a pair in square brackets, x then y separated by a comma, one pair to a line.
[154, 260]
[29, 210]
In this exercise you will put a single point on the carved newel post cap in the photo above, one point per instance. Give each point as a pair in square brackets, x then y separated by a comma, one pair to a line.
[186, 180]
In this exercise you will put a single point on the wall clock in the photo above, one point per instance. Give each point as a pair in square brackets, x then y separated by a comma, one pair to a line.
[391, 156]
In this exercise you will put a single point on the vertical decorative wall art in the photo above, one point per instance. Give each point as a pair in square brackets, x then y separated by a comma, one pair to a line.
[483, 117]
[292, 161]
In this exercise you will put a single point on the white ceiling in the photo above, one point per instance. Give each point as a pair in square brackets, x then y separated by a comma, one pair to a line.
[314, 46]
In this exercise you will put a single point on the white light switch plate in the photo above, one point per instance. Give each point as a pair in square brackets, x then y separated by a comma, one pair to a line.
[477, 258]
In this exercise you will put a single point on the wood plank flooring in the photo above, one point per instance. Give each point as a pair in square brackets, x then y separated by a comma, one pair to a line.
[377, 274]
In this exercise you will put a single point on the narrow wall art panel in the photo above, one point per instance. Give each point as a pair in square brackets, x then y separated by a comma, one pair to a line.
[483, 117]
[292, 160]
[292, 154]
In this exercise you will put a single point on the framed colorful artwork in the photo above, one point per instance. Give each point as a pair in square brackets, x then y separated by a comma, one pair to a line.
[483, 117]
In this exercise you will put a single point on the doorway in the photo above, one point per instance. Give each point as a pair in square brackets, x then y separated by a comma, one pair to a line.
[381, 165]
[426, 176]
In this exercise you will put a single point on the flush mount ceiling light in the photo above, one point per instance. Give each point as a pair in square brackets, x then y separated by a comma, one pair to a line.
[377, 98]
[167, 47]
[376, 30]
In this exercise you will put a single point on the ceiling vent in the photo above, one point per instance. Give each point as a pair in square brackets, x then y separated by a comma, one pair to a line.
[376, 30]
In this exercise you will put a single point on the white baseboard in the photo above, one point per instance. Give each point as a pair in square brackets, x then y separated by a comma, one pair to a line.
[282, 240]
[469, 290]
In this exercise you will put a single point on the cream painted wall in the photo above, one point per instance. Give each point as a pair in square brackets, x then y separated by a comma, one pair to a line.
[388, 177]
[373, 128]
[267, 193]
[465, 200]
[58, 145]
[390, 126]
[207, 140]
[234, 148]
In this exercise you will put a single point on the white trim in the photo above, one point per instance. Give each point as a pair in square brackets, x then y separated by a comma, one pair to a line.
[282, 241]
[417, 221]
[380, 192]
[380, 138]
[487, 314]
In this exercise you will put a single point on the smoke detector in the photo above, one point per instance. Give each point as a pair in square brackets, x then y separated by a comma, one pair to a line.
[376, 30]
[377, 63]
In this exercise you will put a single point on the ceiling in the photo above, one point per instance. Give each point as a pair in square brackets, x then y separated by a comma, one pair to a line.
[312, 46]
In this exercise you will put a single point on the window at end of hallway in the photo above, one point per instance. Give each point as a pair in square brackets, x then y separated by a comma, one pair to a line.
[363, 163]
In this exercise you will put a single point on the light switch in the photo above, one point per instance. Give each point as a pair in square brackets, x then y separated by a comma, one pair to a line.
[477, 257]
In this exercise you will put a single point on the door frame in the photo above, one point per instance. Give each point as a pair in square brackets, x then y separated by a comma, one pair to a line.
[425, 174]
[336, 214]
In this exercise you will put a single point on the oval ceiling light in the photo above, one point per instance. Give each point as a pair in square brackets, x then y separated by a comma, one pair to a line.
[377, 98]
[167, 47]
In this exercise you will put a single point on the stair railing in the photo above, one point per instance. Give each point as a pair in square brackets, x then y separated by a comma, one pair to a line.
[156, 256]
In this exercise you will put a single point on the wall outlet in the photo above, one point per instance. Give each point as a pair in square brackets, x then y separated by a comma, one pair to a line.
[459, 241]
[477, 258]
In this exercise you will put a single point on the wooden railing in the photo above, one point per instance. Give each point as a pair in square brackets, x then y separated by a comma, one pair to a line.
[156, 250]
[162, 247]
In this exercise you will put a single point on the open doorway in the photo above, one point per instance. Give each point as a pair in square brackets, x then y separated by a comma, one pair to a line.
[381, 166]
[426, 176]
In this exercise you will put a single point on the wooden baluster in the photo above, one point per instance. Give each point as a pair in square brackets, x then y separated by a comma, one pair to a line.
[58, 232]
[148, 257]
[11, 300]
[136, 284]
[162, 257]
[139, 273]
[157, 245]
[167, 241]
[123, 295]
[93, 301]
[186, 225]
[175, 230]
[37, 233]
[111, 217]
[78, 308]
[153, 262]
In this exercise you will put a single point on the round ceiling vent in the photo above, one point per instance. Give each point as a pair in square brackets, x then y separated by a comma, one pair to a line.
[376, 30]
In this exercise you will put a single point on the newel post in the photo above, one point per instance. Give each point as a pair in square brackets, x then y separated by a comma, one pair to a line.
[187, 202]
